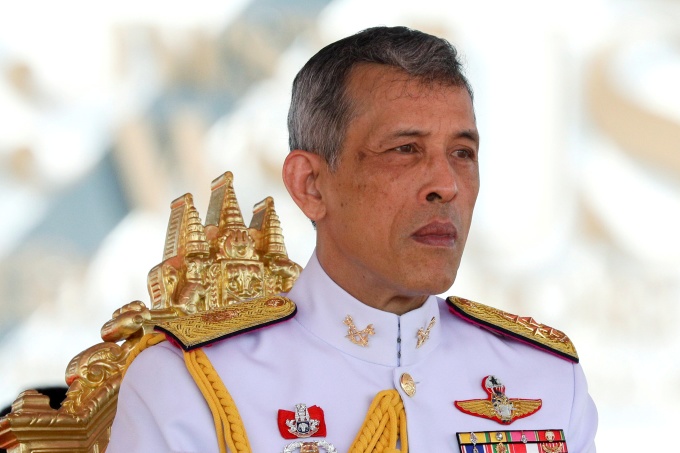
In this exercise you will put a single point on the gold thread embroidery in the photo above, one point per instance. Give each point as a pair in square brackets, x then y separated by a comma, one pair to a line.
[205, 327]
[524, 326]
[218, 316]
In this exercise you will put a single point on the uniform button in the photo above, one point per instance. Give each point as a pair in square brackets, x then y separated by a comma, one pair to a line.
[407, 384]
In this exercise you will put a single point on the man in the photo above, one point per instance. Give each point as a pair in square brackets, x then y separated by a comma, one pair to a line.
[384, 161]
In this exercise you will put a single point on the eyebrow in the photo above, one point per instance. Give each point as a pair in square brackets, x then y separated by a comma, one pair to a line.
[470, 134]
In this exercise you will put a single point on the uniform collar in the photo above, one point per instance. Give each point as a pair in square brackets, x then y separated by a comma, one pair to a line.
[323, 307]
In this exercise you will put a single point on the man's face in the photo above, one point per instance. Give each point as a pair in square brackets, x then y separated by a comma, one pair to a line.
[399, 204]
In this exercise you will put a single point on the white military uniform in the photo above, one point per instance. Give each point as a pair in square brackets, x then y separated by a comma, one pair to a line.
[310, 360]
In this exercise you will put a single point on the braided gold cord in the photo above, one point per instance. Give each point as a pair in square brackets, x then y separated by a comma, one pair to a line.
[146, 341]
[228, 423]
[384, 424]
[232, 417]
[204, 386]
[403, 432]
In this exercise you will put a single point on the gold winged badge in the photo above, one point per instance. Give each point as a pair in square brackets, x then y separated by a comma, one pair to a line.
[498, 406]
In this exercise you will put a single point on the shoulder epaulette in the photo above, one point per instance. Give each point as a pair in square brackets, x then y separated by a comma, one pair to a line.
[201, 329]
[524, 329]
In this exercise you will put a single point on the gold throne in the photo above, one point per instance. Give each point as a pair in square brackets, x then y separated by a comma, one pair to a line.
[204, 267]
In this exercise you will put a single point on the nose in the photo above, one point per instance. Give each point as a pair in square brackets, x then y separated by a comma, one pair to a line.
[442, 182]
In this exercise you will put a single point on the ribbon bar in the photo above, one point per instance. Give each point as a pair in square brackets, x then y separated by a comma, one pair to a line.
[521, 441]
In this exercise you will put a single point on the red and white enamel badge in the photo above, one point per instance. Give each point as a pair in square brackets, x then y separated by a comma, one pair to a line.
[304, 422]
[497, 406]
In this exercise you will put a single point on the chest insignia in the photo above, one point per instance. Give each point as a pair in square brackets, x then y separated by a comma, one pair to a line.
[424, 334]
[304, 422]
[309, 447]
[540, 441]
[356, 336]
[498, 406]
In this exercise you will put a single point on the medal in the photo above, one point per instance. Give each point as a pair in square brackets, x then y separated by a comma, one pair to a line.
[309, 447]
[498, 406]
[304, 422]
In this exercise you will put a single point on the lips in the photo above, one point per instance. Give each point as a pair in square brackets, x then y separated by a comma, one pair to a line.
[437, 234]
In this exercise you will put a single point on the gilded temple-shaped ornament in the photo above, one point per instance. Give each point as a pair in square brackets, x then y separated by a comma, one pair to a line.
[204, 267]
[223, 262]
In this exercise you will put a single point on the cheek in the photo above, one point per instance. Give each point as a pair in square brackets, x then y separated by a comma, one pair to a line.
[473, 181]
[371, 197]
[468, 186]
[359, 193]
[474, 191]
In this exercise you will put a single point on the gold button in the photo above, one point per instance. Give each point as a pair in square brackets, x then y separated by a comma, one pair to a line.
[407, 384]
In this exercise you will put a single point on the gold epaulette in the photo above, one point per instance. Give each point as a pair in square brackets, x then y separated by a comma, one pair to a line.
[202, 329]
[524, 329]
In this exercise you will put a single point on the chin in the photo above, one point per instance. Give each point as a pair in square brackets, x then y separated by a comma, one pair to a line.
[429, 285]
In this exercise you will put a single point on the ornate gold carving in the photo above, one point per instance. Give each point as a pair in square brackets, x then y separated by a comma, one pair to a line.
[358, 337]
[126, 322]
[207, 270]
[520, 326]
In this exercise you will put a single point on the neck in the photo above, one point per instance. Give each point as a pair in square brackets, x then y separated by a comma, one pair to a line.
[371, 291]
[397, 305]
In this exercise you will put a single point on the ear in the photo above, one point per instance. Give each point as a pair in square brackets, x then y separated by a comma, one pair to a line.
[301, 171]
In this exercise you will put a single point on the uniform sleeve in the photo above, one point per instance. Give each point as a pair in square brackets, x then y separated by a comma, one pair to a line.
[160, 408]
[583, 420]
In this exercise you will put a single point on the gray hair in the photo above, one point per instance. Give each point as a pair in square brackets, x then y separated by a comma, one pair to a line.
[321, 108]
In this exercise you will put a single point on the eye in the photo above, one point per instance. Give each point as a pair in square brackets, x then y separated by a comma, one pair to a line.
[405, 149]
[464, 154]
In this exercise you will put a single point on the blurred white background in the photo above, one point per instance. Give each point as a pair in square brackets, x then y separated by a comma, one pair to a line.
[110, 111]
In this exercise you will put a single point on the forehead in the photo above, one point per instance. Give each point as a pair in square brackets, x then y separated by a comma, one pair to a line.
[389, 97]
[366, 79]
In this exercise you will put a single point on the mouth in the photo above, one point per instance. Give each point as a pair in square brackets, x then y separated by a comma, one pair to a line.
[437, 234]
